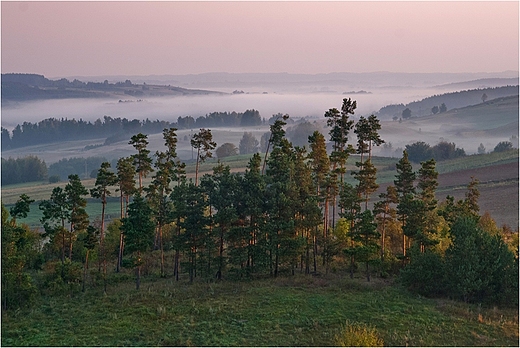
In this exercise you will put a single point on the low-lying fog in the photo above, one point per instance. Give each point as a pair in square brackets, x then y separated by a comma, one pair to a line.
[170, 108]
[294, 104]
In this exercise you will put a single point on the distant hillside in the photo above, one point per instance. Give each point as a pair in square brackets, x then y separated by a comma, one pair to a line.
[23, 87]
[451, 100]
[342, 81]
[480, 83]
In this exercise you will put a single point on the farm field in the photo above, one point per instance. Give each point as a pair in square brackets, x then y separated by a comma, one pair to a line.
[287, 311]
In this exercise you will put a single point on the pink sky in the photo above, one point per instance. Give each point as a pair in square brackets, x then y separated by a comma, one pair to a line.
[140, 38]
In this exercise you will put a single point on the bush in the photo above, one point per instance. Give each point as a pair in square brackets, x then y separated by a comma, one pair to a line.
[358, 335]
[61, 277]
[424, 274]
[480, 267]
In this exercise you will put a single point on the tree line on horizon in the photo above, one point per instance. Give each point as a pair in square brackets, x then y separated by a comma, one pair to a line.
[48, 130]
[290, 211]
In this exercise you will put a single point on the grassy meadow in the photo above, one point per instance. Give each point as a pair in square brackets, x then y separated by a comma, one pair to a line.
[287, 311]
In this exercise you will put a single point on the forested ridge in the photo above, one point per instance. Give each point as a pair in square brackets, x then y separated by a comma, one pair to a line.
[290, 212]
[116, 129]
[447, 101]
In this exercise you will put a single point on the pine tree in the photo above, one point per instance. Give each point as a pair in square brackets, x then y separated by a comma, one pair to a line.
[105, 178]
[404, 185]
[276, 135]
[280, 207]
[221, 188]
[385, 212]
[252, 210]
[307, 211]
[89, 242]
[427, 184]
[55, 212]
[78, 217]
[203, 142]
[319, 162]
[142, 160]
[126, 182]
[195, 224]
[138, 229]
[21, 208]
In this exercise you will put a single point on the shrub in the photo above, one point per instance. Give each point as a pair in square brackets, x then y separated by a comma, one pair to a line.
[357, 335]
[479, 265]
[424, 274]
[61, 277]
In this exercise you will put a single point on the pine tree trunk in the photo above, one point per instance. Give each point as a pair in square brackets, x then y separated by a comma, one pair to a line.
[138, 271]
[162, 250]
[120, 253]
[85, 272]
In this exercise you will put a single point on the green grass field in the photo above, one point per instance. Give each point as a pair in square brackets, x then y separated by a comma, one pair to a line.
[288, 311]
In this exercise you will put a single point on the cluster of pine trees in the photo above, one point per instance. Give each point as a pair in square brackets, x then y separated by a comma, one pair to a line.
[291, 211]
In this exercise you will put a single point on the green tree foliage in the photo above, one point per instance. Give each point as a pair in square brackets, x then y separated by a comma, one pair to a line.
[104, 179]
[18, 289]
[404, 184]
[425, 274]
[55, 212]
[75, 165]
[479, 265]
[138, 230]
[276, 135]
[226, 150]
[444, 150]
[221, 190]
[142, 160]
[319, 163]
[283, 247]
[251, 118]
[503, 146]
[21, 208]
[78, 217]
[385, 213]
[248, 239]
[26, 169]
[299, 134]
[203, 142]
[365, 239]
[419, 151]
[90, 241]
[195, 224]
[248, 144]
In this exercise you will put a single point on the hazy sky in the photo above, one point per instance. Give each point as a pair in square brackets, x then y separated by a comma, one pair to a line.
[59, 39]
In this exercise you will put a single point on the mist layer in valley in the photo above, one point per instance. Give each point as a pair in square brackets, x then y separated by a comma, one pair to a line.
[485, 124]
